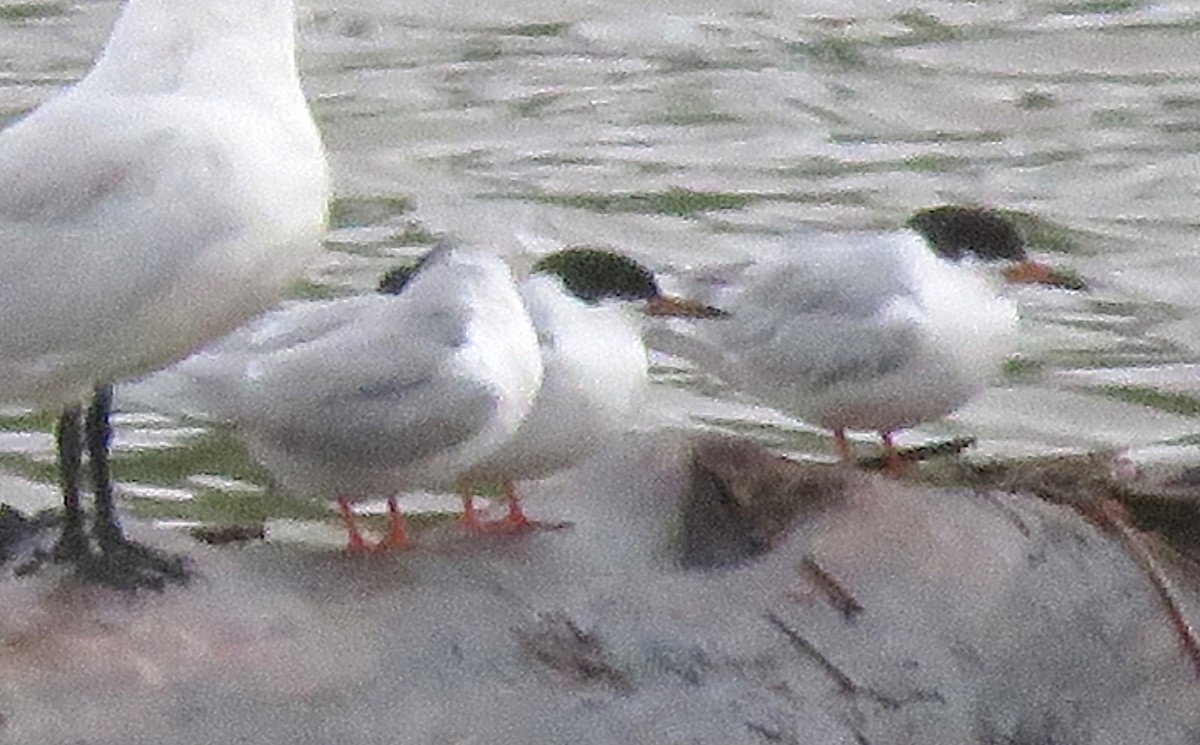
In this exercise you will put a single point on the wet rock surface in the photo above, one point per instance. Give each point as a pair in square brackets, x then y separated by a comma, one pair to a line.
[833, 607]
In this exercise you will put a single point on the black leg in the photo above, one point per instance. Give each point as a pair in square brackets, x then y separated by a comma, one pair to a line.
[106, 527]
[72, 545]
[121, 562]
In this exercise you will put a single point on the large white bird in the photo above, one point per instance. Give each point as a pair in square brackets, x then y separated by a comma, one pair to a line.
[373, 395]
[162, 201]
[877, 331]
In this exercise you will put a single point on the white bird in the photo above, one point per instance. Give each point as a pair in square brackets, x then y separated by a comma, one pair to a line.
[162, 201]
[373, 395]
[877, 331]
[594, 375]
[292, 383]
[595, 367]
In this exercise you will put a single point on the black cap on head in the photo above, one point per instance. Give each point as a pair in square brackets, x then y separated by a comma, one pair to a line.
[954, 232]
[594, 274]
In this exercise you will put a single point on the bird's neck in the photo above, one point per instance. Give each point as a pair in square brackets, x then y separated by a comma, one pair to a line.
[226, 49]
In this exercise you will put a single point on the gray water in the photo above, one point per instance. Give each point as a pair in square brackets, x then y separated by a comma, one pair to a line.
[683, 132]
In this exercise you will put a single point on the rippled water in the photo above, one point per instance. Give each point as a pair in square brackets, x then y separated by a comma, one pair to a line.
[683, 132]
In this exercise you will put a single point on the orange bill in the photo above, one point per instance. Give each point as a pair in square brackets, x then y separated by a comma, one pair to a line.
[1035, 272]
[667, 305]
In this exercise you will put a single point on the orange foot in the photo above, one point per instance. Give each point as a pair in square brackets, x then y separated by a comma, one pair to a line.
[395, 540]
[471, 519]
[513, 523]
[893, 464]
[844, 451]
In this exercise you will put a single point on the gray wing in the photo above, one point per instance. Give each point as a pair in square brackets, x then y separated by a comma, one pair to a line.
[215, 382]
[844, 313]
[384, 426]
[383, 390]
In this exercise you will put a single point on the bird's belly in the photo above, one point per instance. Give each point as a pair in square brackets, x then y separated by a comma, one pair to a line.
[216, 296]
[922, 390]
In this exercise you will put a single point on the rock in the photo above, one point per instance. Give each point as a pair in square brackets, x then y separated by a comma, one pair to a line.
[742, 500]
[832, 608]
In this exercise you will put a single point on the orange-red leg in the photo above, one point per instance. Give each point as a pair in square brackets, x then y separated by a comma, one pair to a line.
[470, 517]
[397, 537]
[843, 446]
[892, 463]
[514, 520]
[516, 516]
[357, 544]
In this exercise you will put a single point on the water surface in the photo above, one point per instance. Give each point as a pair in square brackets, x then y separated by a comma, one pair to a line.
[688, 132]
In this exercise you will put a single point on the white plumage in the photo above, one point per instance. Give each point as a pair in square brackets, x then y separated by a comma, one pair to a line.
[372, 395]
[864, 331]
[159, 203]
[594, 378]
[460, 379]
[162, 201]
